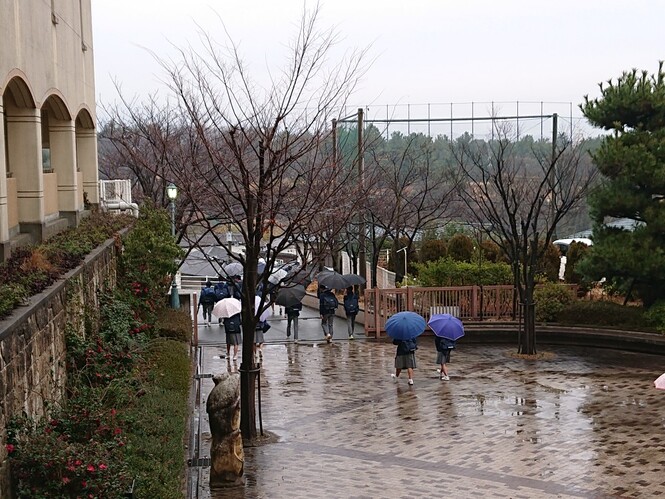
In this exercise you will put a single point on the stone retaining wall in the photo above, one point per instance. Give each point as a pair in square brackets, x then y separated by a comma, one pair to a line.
[32, 341]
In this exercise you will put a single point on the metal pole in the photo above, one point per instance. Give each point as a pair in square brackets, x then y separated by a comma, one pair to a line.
[361, 173]
[175, 294]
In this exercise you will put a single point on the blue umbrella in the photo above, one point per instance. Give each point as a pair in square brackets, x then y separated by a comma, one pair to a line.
[405, 325]
[446, 326]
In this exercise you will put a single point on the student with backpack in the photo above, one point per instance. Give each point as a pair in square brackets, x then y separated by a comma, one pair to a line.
[207, 301]
[405, 358]
[443, 348]
[351, 307]
[327, 306]
[233, 335]
[292, 314]
[222, 291]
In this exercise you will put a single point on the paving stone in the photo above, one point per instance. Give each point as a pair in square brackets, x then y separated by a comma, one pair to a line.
[587, 423]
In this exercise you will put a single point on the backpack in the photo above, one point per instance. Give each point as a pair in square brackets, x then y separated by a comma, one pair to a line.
[329, 303]
[207, 296]
[351, 305]
[222, 291]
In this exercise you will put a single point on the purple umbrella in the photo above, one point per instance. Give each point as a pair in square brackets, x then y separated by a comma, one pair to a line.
[405, 325]
[446, 326]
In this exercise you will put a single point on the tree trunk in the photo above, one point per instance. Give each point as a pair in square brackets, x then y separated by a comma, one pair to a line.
[248, 400]
[527, 344]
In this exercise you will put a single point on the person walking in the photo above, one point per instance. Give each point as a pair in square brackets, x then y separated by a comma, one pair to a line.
[405, 358]
[222, 291]
[443, 348]
[327, 306]
[259, 339]
[351, 307]
[233, 336]
[292, 314]
[207, 302]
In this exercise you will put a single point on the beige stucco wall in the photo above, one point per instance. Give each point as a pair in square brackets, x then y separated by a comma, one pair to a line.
[47, 102]
[50, 57]
[12, 204]
[50, 194]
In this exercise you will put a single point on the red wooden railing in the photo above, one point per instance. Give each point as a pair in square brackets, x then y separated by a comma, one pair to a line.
[472, 303]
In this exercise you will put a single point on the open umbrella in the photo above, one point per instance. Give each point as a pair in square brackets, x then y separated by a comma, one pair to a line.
[660, 382]
[278, 276]
[353, 279]
[405, 325]
[265, 314]
[290, 295]
[233, 268]
[332, 280]
[227, 307]
[446, 326]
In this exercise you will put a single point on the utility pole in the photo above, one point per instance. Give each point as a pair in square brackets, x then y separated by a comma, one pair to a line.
[553, 182]
[361, 173]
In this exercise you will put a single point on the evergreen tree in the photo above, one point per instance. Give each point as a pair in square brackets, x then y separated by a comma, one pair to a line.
[632, 162]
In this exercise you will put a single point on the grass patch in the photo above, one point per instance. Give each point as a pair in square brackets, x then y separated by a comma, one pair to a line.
[157, 423]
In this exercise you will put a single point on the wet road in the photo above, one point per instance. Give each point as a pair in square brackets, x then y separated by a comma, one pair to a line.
[586, 423]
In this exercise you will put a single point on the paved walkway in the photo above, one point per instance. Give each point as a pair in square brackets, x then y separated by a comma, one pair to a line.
[587, 423]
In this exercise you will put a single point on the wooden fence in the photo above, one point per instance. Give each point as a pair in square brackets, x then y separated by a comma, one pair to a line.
[469, 303]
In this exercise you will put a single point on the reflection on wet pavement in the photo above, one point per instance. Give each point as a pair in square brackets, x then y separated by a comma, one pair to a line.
[587, 423]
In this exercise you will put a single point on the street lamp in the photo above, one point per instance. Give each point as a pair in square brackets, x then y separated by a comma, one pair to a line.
[405, 263]
[172, 194]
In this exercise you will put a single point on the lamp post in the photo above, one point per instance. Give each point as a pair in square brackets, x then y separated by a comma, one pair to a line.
[172, 194]
[405, 262]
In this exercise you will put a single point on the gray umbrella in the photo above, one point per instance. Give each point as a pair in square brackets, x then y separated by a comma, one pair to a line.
[332, 280]
[233, 269]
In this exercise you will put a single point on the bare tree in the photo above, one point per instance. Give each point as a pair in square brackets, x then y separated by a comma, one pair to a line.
[267, 165]
[146, 142]
[519, 206]
[410, 192]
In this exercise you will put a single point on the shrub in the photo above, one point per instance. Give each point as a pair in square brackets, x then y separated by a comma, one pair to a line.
[448, 272]
[655, 316]
[603, 314]
[174, 324]
[432, 249]
[460, 247]
[551, 298]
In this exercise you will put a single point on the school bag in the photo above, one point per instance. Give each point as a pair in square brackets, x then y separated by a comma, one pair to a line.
[329, 303]
[222, 291]
[351, 305]
[207, 295]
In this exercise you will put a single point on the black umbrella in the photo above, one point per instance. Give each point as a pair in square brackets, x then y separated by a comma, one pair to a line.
[353, 279]
[332, 280]
[290, 295]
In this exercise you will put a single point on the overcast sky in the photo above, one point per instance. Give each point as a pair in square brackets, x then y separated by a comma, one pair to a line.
[424, 51]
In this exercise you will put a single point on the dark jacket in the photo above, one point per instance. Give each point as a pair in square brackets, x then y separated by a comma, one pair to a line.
[293, 310]
[405, 347]
[324, 299]
[443, 344]
[351, 304]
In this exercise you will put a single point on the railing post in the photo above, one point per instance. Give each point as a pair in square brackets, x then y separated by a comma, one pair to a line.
[409, 299]
[474, 302]
[377, 312]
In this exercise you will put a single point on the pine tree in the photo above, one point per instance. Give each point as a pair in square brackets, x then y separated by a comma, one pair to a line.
[632, 162]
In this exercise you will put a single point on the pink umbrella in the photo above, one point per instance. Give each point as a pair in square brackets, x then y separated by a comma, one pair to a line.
[660, 382]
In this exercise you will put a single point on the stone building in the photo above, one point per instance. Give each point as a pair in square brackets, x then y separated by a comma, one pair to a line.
[48, 143]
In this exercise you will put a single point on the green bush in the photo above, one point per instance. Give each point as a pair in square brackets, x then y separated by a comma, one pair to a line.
[551, 298]
[174, 324]
[655, 316]
[460, 247]
[604, 314]
[449, 272]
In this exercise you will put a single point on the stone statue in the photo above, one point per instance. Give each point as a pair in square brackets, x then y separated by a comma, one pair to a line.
[227, 458]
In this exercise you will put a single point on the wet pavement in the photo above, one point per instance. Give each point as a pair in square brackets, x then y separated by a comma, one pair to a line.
[585, 423]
